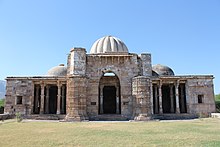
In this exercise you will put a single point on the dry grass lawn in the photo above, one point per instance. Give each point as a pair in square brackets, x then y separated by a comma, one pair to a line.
[202, 132]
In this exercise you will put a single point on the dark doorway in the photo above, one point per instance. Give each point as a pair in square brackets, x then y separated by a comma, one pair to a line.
[109, 100]
[63, 100]
[37, 99]
[166, 98]
[155, 99]
[168, 95]
[182, 97]
[53, 100]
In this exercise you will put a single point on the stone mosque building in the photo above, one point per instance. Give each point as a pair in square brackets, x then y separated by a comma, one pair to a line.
[109, 81]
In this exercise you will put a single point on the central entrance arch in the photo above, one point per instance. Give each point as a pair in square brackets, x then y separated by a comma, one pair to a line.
[109, 94]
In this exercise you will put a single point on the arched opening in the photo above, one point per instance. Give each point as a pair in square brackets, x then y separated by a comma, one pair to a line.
[109, 94]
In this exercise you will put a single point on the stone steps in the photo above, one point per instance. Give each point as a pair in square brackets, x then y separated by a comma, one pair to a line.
[109, 117]
[174, 116]
[46, 117]
[115, 117]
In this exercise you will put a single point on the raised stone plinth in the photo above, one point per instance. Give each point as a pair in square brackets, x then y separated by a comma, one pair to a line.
[215, 115]
[143, 117]
[75, 118]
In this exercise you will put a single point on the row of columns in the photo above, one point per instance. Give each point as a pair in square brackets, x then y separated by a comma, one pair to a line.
[61, 90]
[172, 96]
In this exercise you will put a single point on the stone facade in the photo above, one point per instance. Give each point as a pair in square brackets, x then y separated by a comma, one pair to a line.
[109, 81]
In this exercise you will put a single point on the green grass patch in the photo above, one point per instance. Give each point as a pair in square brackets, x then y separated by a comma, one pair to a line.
[203, 132]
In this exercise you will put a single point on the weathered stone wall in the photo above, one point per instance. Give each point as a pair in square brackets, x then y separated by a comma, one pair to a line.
[200, 86]
[15, 88]
[124, 66]
[133, 86]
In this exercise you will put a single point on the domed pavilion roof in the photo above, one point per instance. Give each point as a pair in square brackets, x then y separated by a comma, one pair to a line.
[108, 44]
[162, 70]
[60, 70]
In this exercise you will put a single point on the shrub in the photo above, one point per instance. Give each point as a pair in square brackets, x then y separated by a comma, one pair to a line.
[18, 117]
[1, 110]
[203, 115]
[2, 102]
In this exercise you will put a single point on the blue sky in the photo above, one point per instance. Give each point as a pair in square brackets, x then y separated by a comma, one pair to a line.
[38, 34]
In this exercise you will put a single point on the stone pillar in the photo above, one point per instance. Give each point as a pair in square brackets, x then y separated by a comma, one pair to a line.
[42, 99]
[156, 99]
[101, 100]
[36, 99]
[151, 98]
[63, 99]
[177, 97]
[47, 99]
[141, 90]
[58, 97]
[117, 100]
[171, 99]
[32, 98]
[160, 98]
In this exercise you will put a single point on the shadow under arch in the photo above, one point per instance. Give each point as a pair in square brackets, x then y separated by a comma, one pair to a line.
[109, 94]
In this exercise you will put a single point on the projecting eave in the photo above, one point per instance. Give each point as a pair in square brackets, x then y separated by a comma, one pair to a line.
[110, 54]
[38, 78]
[184, 77]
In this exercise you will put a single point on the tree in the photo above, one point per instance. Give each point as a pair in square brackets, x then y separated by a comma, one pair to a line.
[217, 102]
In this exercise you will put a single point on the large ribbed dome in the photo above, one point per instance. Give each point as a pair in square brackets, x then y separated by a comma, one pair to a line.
[162, 70]
[108, 44]
[60, 70]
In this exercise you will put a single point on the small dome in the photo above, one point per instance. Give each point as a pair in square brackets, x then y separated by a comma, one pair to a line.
[60, 70]
[161, 70]
[108, 44]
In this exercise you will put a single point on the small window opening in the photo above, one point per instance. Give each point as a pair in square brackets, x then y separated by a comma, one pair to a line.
[93, 103]
[109, 74]
[200, 99]
[19, 100]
